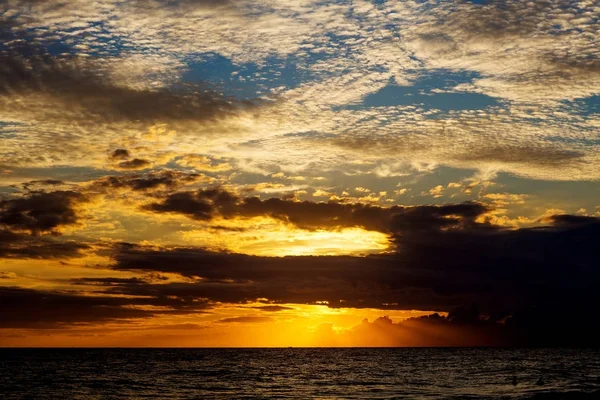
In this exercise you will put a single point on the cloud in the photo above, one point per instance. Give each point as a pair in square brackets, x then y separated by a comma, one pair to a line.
[547, 155]
[185, 203]
[540, 51]
[186, 4]
[41, 212]
[165, 179]
[435, 192]
[42, 185]
[253, 30]
[120, 154]
[534, 327]
[273, 308]
[39, 309]
[107, 281]
[24, 246]
[73, 85]
[236, 278]
[433, 268]
[428, 331]
[442, 258]
[7, 275]
[67, 107]
[245, 320]
[207, 204]
[202, 163]
[533, 56]
[488, 140]
[565, 220]
[136, 163]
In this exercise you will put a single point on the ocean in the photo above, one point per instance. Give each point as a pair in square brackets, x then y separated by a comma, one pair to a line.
[302, 373]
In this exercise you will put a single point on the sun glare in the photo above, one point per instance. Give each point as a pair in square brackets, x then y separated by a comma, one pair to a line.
[270, 237]
[346, 241]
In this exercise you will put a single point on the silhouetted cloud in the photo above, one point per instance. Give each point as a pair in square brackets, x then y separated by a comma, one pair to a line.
[136, 163]
[206, 204]
[433, 268]
[74, 85]
[39, 309]
[141, 182]
[273, 308]
[17, 245]
[120, 154]
[534, 327]
[428, 331]
[566, 220]
[245, 320]
[41, 212]
[42, 182]
[107, 281]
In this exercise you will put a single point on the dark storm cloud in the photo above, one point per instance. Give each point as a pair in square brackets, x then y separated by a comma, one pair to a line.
[237, 278]
[385, 281]
[544, 280]
[15, 245]
[433, 268]
[141, 182]
[28, 308]
[25, 223]
[206, 204]
[294, 287]
[41, 212]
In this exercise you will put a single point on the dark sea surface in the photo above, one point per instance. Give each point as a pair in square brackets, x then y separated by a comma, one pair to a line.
[299, 373]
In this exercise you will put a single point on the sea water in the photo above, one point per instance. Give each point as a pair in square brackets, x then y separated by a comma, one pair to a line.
[303, 373]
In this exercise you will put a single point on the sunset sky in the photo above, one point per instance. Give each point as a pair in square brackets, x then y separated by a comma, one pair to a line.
[274, 172]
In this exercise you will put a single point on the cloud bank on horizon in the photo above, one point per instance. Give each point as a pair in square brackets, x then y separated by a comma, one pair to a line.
[208, 170]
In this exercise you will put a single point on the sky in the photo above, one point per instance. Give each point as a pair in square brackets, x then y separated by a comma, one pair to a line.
[299, 172]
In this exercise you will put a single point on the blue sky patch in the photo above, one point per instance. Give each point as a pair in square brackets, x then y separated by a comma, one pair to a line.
[424, 92]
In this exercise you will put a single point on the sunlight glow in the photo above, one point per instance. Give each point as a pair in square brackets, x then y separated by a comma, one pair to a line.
[270, 237]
